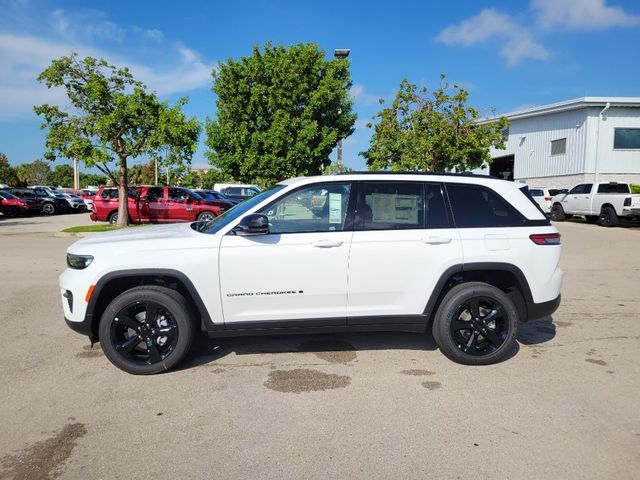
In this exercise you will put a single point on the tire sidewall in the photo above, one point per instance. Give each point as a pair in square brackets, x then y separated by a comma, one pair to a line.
[174, 303]
[113, 218]
[557, 213]
[449, 307]
[48, 209]
[207, 212]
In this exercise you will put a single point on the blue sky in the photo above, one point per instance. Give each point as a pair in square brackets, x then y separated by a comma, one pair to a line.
[508, 54]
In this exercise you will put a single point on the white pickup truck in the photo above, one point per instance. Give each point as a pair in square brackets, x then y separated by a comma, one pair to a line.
[611, 203]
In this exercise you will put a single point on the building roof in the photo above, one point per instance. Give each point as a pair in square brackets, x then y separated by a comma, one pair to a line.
[566, 105]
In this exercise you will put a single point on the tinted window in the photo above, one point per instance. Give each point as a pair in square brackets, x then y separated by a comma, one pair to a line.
[581, 189]
[626, 138]
[613, 188]
[437, 213]
[155, 194]
[391, 205]
[233, 191]
[535, 192]
[178, 195]
[316, 208]
[7, 196]
[557, 191]
[476, 206]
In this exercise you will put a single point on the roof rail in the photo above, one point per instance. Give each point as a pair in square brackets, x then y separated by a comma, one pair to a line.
[447, 174]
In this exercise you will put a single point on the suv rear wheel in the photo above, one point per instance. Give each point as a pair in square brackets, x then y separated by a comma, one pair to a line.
[146, 330]
[476, 324]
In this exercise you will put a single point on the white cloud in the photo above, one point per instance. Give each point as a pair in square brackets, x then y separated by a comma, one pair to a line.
[23, 56]
[361, 96]
[155, 35]
[489, 24]
[581, 14]
[518, 39]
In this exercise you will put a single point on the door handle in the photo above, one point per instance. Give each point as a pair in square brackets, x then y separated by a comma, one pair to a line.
[435, 240]
[326, 243]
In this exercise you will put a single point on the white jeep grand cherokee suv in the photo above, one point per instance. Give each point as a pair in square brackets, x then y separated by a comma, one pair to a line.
[468, 256]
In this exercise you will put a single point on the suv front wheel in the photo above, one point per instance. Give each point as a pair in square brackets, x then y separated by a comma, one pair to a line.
[476, 324]
[146, 330]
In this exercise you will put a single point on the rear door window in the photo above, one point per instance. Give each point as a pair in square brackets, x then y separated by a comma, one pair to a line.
[391, 206]
[477, 206]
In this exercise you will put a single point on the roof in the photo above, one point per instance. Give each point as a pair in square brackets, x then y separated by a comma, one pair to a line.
[384, 175]
[566, 105]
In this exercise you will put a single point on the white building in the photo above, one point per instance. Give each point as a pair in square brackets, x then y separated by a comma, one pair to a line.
[575, 141]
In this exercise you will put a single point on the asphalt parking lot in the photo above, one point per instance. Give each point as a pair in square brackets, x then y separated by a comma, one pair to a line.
[564, 406]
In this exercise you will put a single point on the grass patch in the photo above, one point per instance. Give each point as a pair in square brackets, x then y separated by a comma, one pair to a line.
[97, 228]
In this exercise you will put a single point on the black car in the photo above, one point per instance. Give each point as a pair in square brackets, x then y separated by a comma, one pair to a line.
[46, 203]
[239, 193]
[214, 195]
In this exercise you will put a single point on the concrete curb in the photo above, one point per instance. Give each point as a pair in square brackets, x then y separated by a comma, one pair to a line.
[73, 234]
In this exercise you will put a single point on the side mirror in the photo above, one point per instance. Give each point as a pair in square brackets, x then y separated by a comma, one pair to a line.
[254, 224]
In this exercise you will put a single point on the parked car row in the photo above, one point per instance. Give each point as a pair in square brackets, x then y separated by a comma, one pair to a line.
[39, 199]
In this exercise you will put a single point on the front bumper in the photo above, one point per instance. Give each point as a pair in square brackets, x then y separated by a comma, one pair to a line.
[83, 328]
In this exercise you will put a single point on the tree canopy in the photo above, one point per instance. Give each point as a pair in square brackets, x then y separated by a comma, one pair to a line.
[8, 173]
[112, 117]
[34, 173]
[280, 113]
[432, 131]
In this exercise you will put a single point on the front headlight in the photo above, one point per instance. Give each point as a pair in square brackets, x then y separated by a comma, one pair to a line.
[78, 262]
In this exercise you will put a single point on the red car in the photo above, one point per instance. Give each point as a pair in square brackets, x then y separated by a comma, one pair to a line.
[156, 204]
[12, 206]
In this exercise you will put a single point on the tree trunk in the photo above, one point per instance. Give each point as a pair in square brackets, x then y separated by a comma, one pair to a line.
[123, 197]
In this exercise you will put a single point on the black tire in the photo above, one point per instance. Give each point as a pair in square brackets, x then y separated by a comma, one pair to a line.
[472, 339]
[113, 218]
[48, 208]
[132, 344]
[206, 216]
[557, 213]
[11, 211]
[608, 217]
[591, 218]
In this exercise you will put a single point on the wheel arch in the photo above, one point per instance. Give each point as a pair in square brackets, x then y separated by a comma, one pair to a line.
[114, 283]
[605, 205]
[505, 276]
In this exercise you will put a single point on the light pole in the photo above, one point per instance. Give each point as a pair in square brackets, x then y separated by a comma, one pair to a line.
[340, 53]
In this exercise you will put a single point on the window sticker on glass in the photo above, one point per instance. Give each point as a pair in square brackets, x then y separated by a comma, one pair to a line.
[394, 208]
[335, 208]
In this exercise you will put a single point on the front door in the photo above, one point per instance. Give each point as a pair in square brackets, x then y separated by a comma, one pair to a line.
[297, 273]
[578, 200]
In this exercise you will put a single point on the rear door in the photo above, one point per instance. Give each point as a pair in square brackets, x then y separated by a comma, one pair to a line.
[404, 240]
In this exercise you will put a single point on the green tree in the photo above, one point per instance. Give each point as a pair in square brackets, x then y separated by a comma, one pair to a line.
[432, 131]
[92, 180]
[112, 117]
[62, 176]
[280, 113]
[34, 173]
[8, 174]
[213, 176]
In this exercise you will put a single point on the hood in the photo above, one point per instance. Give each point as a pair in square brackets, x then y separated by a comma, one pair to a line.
[145, 234]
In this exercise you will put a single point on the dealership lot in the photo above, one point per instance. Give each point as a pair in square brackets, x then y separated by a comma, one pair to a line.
[359, 405]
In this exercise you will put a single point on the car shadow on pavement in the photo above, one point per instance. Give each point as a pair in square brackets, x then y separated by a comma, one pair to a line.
[537, 331]
[336, 348]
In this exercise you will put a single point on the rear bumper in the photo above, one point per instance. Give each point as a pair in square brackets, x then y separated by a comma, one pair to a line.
[536, 311]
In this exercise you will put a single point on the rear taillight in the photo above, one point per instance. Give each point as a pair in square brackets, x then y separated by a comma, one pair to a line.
[545, 238]
[548, 199]
[627, 202]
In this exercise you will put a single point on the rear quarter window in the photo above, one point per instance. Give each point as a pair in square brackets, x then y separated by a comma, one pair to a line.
[478, 206]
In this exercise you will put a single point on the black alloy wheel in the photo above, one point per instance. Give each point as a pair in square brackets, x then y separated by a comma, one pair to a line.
[608, 217]
[480, 326]
[147, 330]
[476, 324]
[557, 213]
[144, 332]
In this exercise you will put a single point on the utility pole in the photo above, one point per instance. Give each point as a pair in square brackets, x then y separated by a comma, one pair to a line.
[76, 175]
[155, 160]
[340, 53]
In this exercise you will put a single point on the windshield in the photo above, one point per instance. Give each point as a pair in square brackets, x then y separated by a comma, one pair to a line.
[195, 195]
[233, 213]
